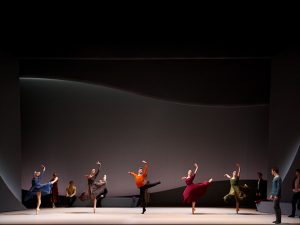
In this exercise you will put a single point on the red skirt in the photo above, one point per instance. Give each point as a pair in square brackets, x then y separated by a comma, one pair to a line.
[193, 191]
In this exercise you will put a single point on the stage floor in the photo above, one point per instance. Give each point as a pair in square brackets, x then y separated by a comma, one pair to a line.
[154, 215]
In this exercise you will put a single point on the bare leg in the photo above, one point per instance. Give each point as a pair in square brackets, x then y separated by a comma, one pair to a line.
[193, 207]
[38, 196]
[237, 206]
[95, 204]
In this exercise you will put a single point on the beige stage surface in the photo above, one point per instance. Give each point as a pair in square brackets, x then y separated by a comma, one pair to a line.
[133, 216]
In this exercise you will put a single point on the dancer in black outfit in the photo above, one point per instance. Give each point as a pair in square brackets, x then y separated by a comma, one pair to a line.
[92, 187]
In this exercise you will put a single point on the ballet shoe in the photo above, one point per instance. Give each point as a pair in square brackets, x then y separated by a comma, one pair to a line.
[144, 210]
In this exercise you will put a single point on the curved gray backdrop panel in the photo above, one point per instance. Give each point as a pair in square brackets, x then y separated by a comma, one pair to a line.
[68, 126]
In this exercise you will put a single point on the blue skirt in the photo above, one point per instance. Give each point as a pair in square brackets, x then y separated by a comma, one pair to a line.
[45, 189]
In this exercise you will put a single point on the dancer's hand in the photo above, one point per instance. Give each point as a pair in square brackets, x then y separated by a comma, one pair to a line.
[43, 167]
[129, 172]
[226, 175]
[144, 161]
[183, 178]
[195, 164]
[98, 163]
[210, 180]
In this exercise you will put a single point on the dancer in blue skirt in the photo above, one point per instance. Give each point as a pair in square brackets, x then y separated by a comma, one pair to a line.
[38, 188]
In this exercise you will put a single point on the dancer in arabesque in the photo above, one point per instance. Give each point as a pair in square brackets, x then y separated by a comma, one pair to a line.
[194, 191]
[39, 189]
[142, 184]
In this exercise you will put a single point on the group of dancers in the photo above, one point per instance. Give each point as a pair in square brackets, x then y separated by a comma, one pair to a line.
[97, 188]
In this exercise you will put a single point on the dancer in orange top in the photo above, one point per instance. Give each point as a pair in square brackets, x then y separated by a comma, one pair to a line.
[142, 184]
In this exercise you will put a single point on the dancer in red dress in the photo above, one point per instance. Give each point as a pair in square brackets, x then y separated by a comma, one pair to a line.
[193, 191]
[54, 190]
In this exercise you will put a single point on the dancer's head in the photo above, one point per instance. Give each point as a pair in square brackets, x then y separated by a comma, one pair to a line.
[71, 183]
[259, 175]
[140, 171]
[93, 171]
[234, 173]
[274, 171]
[190, 173]
[37, 173]
[54, 175]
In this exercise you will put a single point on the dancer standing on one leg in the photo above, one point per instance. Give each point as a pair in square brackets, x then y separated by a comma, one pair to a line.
[99, 190]
[194, 191]
[38, 188]
[140, 181]
[91, 180]
[235, 189]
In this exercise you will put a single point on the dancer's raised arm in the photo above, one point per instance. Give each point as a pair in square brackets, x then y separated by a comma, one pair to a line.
[145, 168]
[98, 169]
[238, 169]
[226, 175]
[196, 169]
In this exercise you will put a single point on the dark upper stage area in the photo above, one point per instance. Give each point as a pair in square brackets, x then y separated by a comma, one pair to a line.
[211, 72]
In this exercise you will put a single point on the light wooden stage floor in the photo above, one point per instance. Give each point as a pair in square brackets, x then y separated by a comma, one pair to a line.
[154, 215]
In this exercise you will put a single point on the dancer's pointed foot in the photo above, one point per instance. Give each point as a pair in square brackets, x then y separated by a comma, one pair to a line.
[37, 211]
[193, 210]
[237, 211]
[144, 210]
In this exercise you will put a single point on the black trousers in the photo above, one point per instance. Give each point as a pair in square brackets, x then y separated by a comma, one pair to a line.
[296, 198]
[71, 200]
[277, 209]
[143, 189]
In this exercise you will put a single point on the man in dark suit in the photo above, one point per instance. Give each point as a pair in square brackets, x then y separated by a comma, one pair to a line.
[261, 188]
[296, 192]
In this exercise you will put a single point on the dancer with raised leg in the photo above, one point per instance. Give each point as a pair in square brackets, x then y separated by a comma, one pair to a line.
[142, 184]
[99, 191]
[236, 190]
[38, 188]
[193, 191]
[91, 187]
